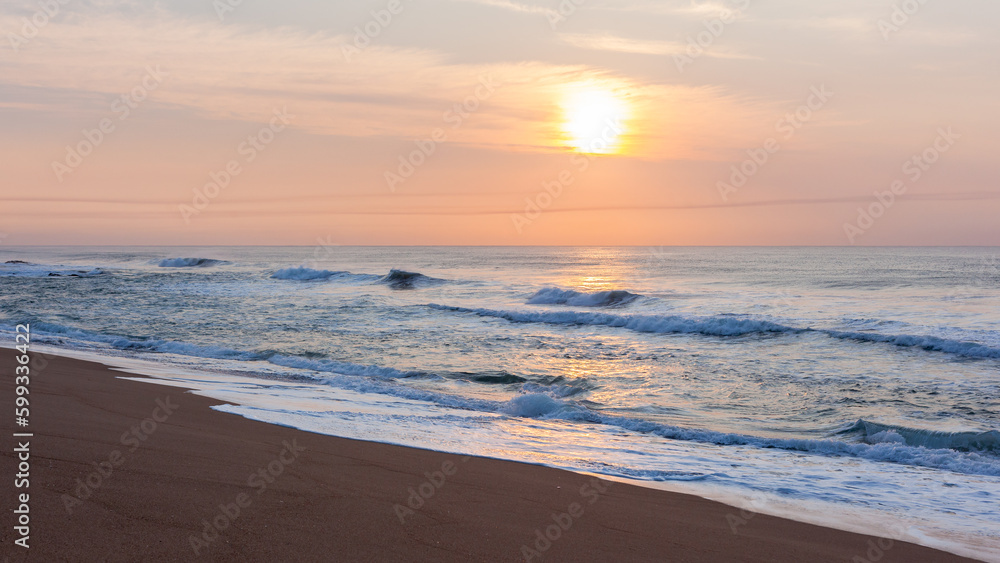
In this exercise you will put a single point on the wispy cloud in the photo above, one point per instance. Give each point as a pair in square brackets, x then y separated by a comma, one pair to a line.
[621, 44]
[514, 6]
[694, 8]
[605, 42]
[335, 207]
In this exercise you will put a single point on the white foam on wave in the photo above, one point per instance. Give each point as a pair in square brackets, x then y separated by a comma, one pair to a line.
[548, 405]
[663, 324]
[886, 437]
[886, 450]
[532, 405]
[545, 406]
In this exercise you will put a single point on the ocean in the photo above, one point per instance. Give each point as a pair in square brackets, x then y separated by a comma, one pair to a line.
[850, 387]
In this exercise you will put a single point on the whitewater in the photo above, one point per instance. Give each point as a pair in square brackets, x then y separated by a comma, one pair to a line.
[850, 387]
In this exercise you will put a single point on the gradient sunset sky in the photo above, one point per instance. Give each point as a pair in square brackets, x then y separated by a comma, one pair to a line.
[622, 121]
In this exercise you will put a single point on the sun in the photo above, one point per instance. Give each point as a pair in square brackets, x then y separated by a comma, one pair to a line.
[594, 120]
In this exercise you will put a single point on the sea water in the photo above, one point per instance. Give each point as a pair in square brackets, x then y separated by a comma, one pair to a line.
[853, 387]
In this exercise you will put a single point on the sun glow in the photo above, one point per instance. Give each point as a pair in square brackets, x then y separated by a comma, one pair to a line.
[594, 120]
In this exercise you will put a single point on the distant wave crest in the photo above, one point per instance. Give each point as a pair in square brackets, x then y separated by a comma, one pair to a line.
[302, 273]
[76, 273]
[190, 262]
[22, 269]
[556, 296]
[929, 343]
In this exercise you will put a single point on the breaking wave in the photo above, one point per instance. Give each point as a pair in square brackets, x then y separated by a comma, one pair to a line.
[726, 325]
[877, 433]
[556, 296]
[303, 274]
[400, 279]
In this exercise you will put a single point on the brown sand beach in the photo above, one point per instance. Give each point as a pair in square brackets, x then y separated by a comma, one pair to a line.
[128, 471]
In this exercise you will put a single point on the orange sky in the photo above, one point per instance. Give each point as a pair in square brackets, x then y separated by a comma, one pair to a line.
[499, 122]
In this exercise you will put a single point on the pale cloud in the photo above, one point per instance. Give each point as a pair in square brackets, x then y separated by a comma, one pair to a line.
[240, 73]
[234, 72]
[936, 37]
[692, 8]
[852, 24]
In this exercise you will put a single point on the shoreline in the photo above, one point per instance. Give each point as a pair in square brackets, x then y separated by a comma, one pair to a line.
[189, 481]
